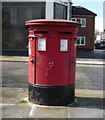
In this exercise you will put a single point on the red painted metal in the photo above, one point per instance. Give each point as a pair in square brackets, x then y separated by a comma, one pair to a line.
[52, 67]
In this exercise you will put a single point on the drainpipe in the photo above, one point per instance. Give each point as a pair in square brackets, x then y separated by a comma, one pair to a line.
[69, 10]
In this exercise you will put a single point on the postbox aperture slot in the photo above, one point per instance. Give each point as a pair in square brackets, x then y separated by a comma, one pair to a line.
[41, 32]
[63, 44]
[41, 44]
[65, 33]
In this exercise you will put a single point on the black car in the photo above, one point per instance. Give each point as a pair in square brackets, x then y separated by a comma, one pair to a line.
[99, 44]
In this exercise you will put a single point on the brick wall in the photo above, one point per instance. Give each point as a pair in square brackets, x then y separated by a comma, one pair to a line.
[87, 31]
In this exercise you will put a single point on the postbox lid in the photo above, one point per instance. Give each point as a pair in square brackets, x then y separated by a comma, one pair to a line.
[51, 21]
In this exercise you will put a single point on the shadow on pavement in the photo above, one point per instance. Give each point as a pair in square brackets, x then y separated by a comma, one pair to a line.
[89, 102]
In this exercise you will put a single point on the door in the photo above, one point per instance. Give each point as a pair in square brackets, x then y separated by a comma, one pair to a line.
[52, 61]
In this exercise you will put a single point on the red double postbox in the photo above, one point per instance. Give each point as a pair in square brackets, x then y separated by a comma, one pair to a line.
[52, 61]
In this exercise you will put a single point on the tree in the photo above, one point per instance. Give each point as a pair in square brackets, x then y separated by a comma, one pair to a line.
[97, 32]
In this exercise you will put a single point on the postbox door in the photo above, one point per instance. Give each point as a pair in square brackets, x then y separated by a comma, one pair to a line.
[52, 61]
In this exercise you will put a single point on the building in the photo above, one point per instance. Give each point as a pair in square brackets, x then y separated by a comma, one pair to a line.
[86, 32]
[102, 35]
[16, 12]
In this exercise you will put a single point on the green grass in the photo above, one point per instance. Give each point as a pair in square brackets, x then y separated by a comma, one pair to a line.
[76, 104]
[23, 101]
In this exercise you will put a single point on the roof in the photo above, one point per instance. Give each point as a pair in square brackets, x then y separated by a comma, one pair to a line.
[79, 10]
[51, 21]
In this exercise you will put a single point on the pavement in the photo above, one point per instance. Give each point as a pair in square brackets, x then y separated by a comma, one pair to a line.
[39, 111]
[88, 103]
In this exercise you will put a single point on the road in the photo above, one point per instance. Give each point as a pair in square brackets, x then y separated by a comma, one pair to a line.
[15, 75]
[89, 77]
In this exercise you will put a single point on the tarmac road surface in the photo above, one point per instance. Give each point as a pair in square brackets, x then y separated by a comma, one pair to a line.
[89, 77]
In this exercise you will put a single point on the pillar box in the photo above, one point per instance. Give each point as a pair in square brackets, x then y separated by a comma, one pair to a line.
[52, 61]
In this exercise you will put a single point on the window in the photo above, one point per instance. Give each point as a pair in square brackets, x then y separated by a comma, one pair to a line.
[73, 19]
[81, 41]
[82, 21]
[63, 45]
[60, 11]
[35, 13]
[29, 13]
[78, 20]
[14, 15]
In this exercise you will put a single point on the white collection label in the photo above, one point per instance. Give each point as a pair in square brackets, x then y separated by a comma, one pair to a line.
[42, 44]
[63, 45]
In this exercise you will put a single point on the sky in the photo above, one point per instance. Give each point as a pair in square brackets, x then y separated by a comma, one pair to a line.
[95, 6]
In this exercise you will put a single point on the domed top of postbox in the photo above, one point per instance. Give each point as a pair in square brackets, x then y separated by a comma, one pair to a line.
[51, 22]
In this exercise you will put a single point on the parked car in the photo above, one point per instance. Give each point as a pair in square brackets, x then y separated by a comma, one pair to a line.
[99, 44]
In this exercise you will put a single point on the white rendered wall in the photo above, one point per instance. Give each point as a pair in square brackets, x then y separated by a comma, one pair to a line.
[49, 10]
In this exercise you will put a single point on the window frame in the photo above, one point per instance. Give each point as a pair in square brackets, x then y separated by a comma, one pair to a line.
[84, 23]
[65, 8]
[81, 19]
[80, 39]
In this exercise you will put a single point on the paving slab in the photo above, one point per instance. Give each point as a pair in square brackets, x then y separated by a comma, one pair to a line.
[40, 111]
[15, 111]
[0, 112]
[75, 112]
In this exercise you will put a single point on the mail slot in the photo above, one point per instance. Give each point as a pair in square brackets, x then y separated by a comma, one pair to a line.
[52, 61]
